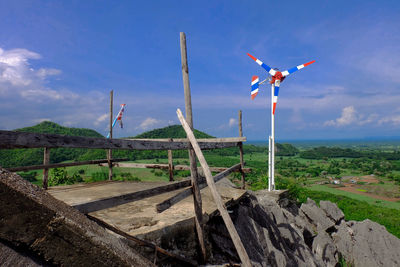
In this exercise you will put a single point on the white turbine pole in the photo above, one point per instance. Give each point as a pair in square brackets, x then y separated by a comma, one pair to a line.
[272, 138]
[269, 163]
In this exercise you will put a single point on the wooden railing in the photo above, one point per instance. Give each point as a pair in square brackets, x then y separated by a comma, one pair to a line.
[12, 139]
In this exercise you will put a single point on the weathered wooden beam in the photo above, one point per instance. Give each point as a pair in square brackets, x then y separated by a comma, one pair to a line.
[217, 198]
[170, 166]
[200, 140]
[109, 152]
[165, 167]
[241, 151]
[166, 204]
[141, 242]
[46, 161]
[192, 157]
[60, 165]
[11, 139]
[106, 203]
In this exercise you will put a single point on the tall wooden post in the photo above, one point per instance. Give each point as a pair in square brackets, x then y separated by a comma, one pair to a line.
[109, 155]
[192, 157]
[170, 164]
[237, 242]
[241, 151]
[46, 160]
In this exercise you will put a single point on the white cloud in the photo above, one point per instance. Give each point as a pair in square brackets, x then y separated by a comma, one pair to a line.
[149, 123]
[101, 119]
[18, 77]
[232, 122]
[349, 116]
[394, 120]
[43, 73]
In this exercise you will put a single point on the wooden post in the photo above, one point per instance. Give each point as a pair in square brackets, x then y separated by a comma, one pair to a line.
[109, 155]
[170, 165]
[217, 198]
[241, 151]
[46, 160]
[192, 157]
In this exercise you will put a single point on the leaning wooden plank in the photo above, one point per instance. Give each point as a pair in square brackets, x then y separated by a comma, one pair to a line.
[11, 139]
[165, 167]
[60, 165]
[187, 192]
[141, 242]
[106, 203]
[217, 198]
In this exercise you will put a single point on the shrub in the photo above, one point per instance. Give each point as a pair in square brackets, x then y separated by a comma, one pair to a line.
[59, 176]
[29, 176]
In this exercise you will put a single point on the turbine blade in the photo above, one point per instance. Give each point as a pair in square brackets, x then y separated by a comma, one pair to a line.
[254, 86]
[266, 67]
[276, 93]
[290, 71]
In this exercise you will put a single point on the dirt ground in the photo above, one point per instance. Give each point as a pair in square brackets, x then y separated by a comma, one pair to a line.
[377, 192]
[352, 189]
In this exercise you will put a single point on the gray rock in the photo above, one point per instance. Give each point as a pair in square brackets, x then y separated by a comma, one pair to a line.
[367, 243]
[269, 238]
[36, 225]
[316, 216]
[324, 248]
[332, 211]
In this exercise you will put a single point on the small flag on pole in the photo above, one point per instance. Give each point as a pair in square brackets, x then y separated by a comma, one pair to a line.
[118, 118]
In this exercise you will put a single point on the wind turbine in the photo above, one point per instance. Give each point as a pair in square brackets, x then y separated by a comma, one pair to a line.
[276, 78]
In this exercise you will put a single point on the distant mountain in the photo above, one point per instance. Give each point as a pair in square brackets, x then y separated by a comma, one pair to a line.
[174, 131]
[33, 156]
[54, 128]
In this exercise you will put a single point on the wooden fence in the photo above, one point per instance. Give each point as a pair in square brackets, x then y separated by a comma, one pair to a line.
[11, 139]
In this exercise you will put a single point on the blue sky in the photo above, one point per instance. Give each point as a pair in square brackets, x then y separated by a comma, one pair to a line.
[60, 59]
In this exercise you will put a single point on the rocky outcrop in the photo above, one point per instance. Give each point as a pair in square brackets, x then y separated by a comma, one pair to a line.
[39, 230]
[278, 233]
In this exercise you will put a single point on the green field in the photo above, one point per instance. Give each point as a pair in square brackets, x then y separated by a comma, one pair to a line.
[369, 200]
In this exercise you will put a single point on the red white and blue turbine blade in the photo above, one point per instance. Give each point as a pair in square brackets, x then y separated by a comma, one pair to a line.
[255, 83]
[276, 93]
[290, 71]
[266, 67]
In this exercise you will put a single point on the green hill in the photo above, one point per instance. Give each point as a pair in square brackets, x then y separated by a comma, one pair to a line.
[174, 131]
[34, 156]
[54, 128]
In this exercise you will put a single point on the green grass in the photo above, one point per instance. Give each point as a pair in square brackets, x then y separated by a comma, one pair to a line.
[356, 210]
[369, 200]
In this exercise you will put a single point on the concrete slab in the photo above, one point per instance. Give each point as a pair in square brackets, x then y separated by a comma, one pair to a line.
[140, 217]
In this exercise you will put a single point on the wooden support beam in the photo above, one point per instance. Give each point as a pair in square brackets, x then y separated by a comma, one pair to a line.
[166, 204]
[11, 139]
[200, 140]
[165, 167]
[170, 166]
[60, 165]
[241, 151]
[192, 157]
[142, 242]
[109, 152]
[106, 203]
[46, 161]
[217, 198]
